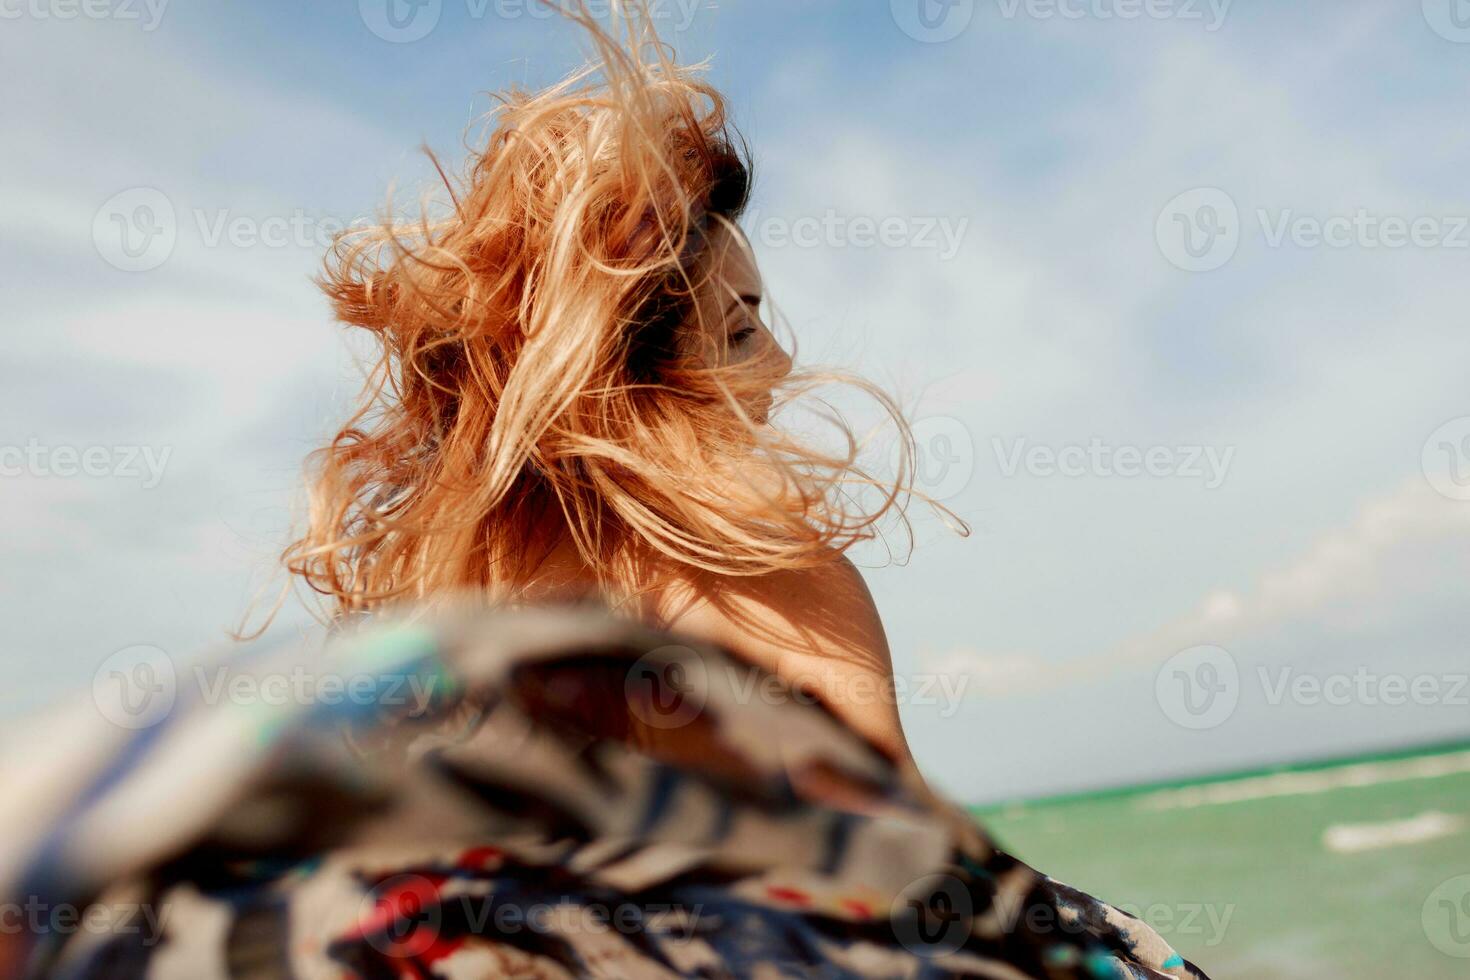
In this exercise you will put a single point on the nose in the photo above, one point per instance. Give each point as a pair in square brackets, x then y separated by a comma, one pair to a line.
[781, 363]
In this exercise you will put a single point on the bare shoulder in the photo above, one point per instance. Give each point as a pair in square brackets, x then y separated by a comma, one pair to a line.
[827, 607]
[816, 627]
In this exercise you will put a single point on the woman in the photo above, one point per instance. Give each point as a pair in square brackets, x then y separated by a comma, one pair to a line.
[572, 392]
[571, 397]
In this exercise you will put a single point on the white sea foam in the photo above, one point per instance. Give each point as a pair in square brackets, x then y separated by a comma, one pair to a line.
[1350, 838]
[1304, 783]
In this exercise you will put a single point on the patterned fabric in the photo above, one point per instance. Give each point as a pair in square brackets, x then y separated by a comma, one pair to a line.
[528, 794]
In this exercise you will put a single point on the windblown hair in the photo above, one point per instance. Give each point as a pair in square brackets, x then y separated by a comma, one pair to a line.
[536, 373]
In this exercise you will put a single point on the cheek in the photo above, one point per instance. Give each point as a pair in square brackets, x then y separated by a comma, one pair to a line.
[742, 352]
[772, 356]
[704, 344]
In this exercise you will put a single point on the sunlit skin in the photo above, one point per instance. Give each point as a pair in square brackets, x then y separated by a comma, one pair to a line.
[728, 314]
[817, 628]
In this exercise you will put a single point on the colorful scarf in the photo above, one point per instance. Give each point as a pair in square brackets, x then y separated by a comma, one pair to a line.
[549, 793]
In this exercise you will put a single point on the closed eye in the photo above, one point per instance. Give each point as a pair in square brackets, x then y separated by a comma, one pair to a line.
[748, 304]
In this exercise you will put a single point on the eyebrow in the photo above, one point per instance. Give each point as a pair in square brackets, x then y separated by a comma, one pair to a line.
[745, 299]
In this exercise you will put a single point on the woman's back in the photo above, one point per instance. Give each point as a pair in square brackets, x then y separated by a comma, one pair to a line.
[817, 628]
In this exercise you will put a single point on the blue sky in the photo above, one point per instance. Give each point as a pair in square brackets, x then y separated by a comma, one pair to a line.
[1065, 150]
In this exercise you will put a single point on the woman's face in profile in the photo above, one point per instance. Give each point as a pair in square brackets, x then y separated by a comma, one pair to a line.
[728, 301]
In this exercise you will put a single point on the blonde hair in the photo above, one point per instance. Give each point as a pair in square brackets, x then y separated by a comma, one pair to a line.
[533, 376]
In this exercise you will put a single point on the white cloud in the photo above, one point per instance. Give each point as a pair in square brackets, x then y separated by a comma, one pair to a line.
[1392, 555]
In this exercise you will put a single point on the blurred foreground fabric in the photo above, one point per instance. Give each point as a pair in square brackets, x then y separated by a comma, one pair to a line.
[533, 794]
